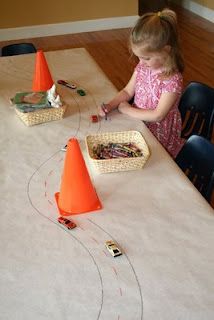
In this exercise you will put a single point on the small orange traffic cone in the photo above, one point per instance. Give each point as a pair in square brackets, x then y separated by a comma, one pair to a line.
[77, 194]
[42, 78]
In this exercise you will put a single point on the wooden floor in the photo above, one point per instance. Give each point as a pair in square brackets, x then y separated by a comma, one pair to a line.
[110, 49]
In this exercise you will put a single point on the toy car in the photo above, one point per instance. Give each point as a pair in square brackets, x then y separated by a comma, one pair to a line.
[67, 223]
[66, 84]
[64, 148]
[94, 118]
[112, 248]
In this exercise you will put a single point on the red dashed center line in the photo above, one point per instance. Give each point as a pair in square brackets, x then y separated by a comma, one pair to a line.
[118, 318]
[45, 194]
[121, 293]
[82, 228]
[51, 203]
[45, 183]
[94, 240]
[50, 173]
[105, 253]
[115, 271]
[60, 159]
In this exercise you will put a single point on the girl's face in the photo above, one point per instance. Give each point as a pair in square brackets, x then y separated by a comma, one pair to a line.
[153, 60]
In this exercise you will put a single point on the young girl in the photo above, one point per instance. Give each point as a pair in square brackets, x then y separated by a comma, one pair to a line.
[156, 83]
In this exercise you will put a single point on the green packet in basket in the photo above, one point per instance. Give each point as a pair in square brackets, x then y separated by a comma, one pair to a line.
[31, 101]
[30, 98]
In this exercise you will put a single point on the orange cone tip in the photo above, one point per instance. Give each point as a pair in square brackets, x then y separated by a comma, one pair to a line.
[42, 78]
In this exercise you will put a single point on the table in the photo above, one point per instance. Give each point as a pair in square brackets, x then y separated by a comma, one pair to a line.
[160, 221]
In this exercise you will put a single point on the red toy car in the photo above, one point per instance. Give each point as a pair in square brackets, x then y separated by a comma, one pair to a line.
[67, 223]
[94, 118]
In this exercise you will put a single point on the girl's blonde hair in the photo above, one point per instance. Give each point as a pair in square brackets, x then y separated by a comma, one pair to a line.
[154, 31]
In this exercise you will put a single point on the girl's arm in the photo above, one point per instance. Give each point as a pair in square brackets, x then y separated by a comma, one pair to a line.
[167, 100]
[122, 96]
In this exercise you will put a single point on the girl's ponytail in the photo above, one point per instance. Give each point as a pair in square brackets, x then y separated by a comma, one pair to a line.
[154, 31]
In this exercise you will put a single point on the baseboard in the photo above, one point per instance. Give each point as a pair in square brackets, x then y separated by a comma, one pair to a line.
[66, 28]
[198, 9]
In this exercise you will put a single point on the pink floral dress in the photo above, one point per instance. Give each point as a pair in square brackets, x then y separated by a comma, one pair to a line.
[148, 89]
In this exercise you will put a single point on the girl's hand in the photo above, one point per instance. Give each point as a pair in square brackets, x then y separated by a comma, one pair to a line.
[103, 109]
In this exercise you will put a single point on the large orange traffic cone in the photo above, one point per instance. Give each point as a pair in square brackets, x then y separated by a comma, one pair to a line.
[77, 194]
[42, 78]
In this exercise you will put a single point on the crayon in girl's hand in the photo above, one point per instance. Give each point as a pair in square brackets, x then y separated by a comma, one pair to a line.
[104, 110]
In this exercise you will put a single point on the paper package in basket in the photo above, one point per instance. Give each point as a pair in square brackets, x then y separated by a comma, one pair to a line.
[38, 107]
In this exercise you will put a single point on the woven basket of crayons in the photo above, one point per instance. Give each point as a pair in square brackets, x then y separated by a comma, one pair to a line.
[117, 151]
[35, 107]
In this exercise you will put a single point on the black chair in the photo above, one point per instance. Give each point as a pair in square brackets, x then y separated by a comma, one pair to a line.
[196, 159]
[197, 110]
[18, 48]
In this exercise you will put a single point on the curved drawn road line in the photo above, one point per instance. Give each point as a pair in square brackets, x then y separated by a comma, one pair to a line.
[82, 244]
[138, 283]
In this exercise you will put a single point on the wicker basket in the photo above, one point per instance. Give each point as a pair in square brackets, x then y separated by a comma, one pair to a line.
[118, 164]
[41, 116]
